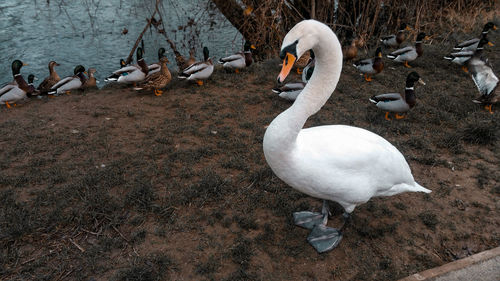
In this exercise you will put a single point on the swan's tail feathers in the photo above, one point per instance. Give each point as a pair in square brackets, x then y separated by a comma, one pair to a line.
[418, 188]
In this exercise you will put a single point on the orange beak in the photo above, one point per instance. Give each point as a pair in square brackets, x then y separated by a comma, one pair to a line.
[491, 44]
[253, 47]
[287, 66]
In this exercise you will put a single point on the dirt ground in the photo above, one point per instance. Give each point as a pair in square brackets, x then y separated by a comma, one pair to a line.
[119, 185]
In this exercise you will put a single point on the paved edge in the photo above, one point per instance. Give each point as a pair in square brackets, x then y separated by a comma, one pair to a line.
[453, 266]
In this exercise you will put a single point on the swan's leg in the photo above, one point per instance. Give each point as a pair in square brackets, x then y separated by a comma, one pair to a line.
[324, 238]
[309, 220]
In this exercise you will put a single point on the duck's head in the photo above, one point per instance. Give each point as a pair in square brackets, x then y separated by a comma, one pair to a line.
[122, 63]
[16, 67]
[421, 36]
[164, 59]
[79, 69]
[31, 78]
[248, 46]
[139, 53]
[161, 53]
[412, 78]
[404, 27]
[52, 64]
[488, 26]
[378, 52]
[206, 53]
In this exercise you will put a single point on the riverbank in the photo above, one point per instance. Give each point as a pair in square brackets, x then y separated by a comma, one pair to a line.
[119, 185]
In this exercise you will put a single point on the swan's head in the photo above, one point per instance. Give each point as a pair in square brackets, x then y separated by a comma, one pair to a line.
[301, 38]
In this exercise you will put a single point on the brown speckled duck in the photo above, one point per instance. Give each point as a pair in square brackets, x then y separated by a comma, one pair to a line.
[157, 80]
[50, 81]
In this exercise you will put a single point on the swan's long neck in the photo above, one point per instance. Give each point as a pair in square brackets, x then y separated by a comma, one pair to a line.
[282, 133]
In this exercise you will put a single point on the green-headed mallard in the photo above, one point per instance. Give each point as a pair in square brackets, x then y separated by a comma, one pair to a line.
[199, 71]
[158, 80]
[51, 80]
[372, 66]
[397, 103]
[66, 85]
[12, 93]
[395, 40]
[462, 57]
[239, 60]
[131, 73]
[471, 44]
[409, 53]
[155, 67]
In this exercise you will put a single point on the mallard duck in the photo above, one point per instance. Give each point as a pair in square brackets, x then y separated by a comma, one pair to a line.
[12, 93]
[91, 82]
[395, 40]
[302, 62]
[471, 44]
[50, 81]
[132, 73]
[158, 80]
[395, 102]
[486, 82]
[239, 60]
[350, 51]
[340, 163]
[462, 57]
[70, 83]
[309, 69]
[371, 66]
[199, 71]
[409, 53]
[290, 91]
[155, 67]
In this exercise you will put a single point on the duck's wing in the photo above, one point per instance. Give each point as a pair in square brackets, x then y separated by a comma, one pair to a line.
[466, 43]
[193, 68]
[62, 82]
[6, 88]
[125, 69]
[364, 62]
[403, 51]
[12, 95]
[484, 78]
[234, 57]
[385, 97]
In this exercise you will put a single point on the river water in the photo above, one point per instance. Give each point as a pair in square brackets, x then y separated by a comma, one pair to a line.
[89, 32]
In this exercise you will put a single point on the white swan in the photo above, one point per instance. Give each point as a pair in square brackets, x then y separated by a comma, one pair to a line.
[340, 163]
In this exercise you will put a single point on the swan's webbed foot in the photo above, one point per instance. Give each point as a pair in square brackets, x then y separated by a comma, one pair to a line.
[324, 238]
[309, 220]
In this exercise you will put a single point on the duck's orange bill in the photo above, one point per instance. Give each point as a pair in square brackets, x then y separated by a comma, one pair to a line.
[287, 66]
[491, 44]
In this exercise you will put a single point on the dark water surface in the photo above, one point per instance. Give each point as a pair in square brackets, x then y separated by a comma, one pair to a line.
[89, 32]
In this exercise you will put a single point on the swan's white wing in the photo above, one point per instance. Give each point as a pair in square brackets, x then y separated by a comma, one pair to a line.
[347, 164]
